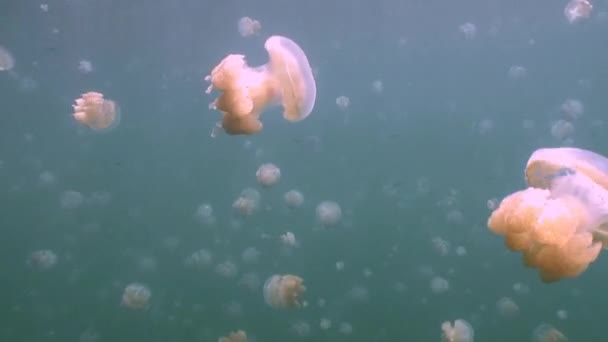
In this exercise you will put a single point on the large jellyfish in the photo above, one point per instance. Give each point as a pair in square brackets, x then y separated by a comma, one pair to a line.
[560, 222]
[284, 291]
[246, 91]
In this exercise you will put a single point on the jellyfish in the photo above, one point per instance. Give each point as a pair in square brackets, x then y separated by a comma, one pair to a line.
[7, 62]
[560, 222]
[460, 331]
[246, 92]
[328, 213]
[248, 26]
[237, 336]
[577, 10]
[95, 112]
[283, 291]
[294, 199]
[136, 296]
[268, 175]
[43, 259]
[547, 333]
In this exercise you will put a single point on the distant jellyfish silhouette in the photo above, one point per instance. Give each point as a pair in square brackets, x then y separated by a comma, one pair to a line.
[136, 296]
[283, 291]
[237, 336]
[95, 112]
[246, 92]
[560, 222]
[460, 331]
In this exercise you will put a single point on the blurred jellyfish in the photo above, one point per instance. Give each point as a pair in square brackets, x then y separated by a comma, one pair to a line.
[439, 285]
[85, 66]
[289, 239]
[227, 269]
[233, 308]
[136, 296]
[517, 72]
[204, 214]
[343, 102]
[562, 314]
[237, 336]
[521, 289]
[301, 328]
[46, 178]
[461, 251]
[268, 175]
[146, 263]
[247, 202]
[328, 213]
[485, 126]
[43, 259]
[283, 291]
[345, 328]
[199, 259]
[454, 216]
[358, 293]
[441, 246]
[559, 221]
[248, 26]
[469, 30]
[7, 62]
[377, 86]
[250, 281]
[572, 109]
[507, 307]
[547, 333]
[339, 265]
[562, 129]
[71, 199]
[325, 323]
[294, 199]
[250, 255]
[460, 331]
[246, 91]
[95, 112]
[577, 10]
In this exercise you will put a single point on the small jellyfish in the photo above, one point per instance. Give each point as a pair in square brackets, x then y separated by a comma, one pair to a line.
[204, 214]
[43, 259]
[136, 296]
[250, 255]
[577, 10]
[289, 239]
[95, 112]
[227, 269]
[547, 333]
[71, 199]
[247, 202]
[439, 285]
[343, 102]
[559, 223]
[199, 259]
[328, 213]
[237, 336]
[572, 109]
[249, 27]
[507, 307]
[7, 62]
[469, 30]
[245, 91]
[460, 331]
[283, 291]
[294, 199]
[562, 129]
[377, 86]
[268, 175]
[85, 66]
[517, 72]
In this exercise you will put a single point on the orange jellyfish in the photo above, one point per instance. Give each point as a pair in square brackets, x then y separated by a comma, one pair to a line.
[283, 291]
[246, 91]
[238, 336]
[560, 222]
[92, 110]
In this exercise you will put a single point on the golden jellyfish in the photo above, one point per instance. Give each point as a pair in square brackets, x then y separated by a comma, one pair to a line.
[246, 91]
[92, 110]
[560, 222]
[547, 333]
[283, 291]
[460, 331]
[237, 336]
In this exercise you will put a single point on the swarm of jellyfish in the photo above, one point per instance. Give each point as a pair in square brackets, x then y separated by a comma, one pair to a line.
[136, 296]
[284, 291]
[460, 331]
[237, 336]
[559, 222]
[95, 112]
[246, 92]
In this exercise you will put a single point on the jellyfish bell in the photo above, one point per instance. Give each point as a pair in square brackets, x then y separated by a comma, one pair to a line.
[283, 291]
[246, 91]
[95, 112]
[577, 10]
[460, 331]
[560, 222]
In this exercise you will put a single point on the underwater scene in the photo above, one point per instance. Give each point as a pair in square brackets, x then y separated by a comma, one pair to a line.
[279, 170]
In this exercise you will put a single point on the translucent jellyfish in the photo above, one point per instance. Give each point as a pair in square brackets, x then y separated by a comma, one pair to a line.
[577, 10]
[7, 62]
[345, 328]
[377, 86]
[136, 296]
[247, 202]
[343, 102]
[237, 336]
[562, 314]
[250, 255]
[85, 66]
[441, 245]
[227, 269]
[439, 285]
[547, 333]
[506, 307]
[562, 129]
[325, 323]
[289, 239]
[46, 178]
[572, 109]
[294, 199]
[283, 291]
[328, 213]
[199, 259]
[469, 30]
[43, 259]
[461, 331]
[204, 214]
[268, 175]
[245, 91]
[71, 199]
[517, 72]
[248, 26]
[559, 223]
[95, 112]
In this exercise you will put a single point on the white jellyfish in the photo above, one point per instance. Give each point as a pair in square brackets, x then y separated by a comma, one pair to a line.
[136, 296]
[469, 30]
[289, 239]
[204, 214]
[294, 199]
[460, 331]
[71, 199]
[247, 202]
[268, 175]
[85, 66]
[283, 291]
[562, 129]
[377, 86]
[577, 10]
[343, 102]
[250, 255]
[227, 269]
[439, 285]
[7, 62]
[43, 259]
[507, 307]
[517, 72]
[199, 259]
[328, 213]
[248, 26]
[572, 109]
